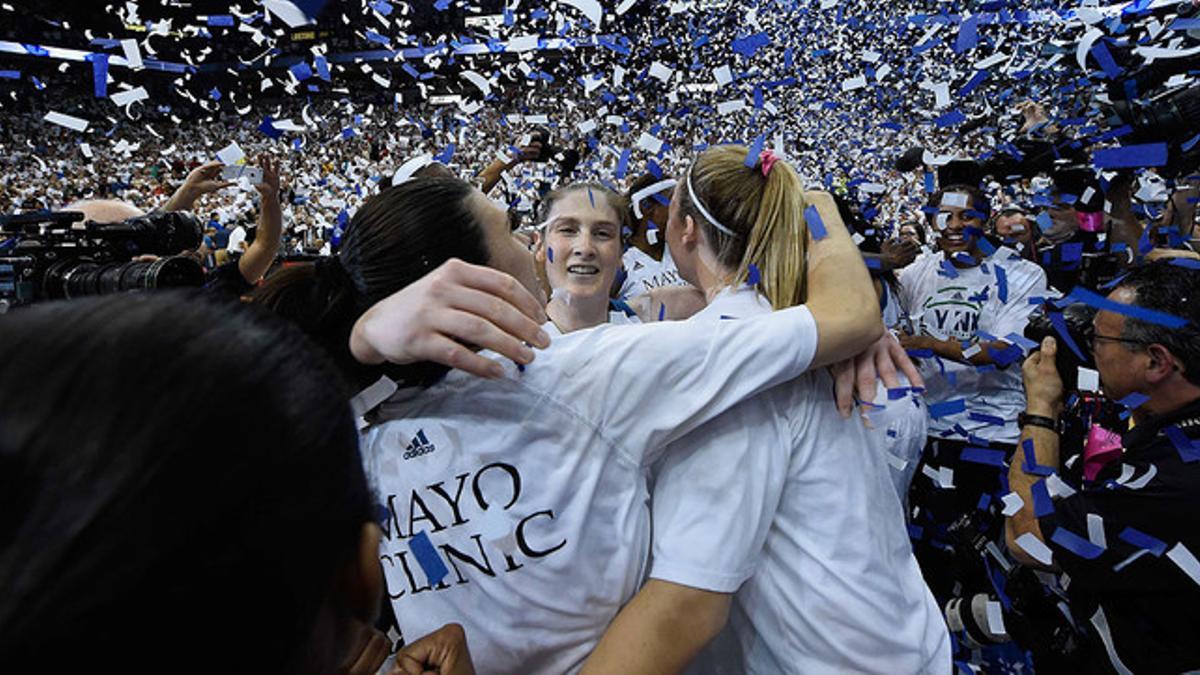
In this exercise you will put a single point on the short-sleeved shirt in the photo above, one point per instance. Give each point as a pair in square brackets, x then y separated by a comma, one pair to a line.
[793, 507]
[948, 302]
[644, 274]
[531, 489]
[1138, 528]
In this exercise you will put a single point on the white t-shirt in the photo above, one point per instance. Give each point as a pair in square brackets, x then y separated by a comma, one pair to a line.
[644, 273]
[237, 240]
[992, 297]
[784, 498]
[532, 488]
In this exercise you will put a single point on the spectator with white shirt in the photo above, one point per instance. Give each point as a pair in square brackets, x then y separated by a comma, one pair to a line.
[778, 514]
[968, 305]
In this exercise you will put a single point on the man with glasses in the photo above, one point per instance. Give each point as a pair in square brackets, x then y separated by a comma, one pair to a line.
[1128, 538]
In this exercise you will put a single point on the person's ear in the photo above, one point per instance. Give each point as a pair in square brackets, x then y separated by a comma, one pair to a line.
[690, 235]
[1161, 364]
[363, 576]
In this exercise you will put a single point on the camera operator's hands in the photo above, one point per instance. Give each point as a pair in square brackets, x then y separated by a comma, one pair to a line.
[881, 361]
[442, 652]
[897, 254]
[200, 181]
[457, 303]
[1043, 385]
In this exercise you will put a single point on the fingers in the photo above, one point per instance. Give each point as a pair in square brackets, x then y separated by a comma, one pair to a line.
[443, 350]
[864, 375]
[884, 365]
[499, 284]
[501, 314]
[900, 357]
[843, 386]
[476, 330]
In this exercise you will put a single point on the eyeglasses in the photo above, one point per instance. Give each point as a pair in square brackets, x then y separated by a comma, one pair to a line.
[1111, 338]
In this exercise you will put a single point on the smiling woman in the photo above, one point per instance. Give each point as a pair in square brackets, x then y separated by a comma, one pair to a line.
[581, 251]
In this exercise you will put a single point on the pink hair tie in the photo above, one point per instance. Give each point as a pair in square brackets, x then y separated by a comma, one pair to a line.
[768, 159]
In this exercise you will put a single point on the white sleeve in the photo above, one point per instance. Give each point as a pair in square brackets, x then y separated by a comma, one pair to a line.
[715, 497]
[650, 384]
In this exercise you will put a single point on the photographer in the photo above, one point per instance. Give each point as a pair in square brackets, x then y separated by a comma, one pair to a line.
[1125, 539]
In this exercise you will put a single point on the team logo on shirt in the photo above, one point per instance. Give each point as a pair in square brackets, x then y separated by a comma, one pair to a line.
[418, 446]
[950, 313]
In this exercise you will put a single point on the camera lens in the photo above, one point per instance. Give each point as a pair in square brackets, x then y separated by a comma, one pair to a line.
[81, 277]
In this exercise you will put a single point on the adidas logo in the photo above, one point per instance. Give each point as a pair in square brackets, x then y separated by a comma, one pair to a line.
[637, 266]
[418, 446]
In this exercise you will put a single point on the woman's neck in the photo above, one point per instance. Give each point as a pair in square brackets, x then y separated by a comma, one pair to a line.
[571, 313]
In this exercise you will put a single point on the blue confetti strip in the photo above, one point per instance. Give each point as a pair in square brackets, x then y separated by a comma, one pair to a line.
[1060, 327]
[1141, 313]
[816, 226]
[1134, 400]
[220, 20]
[982, 456]
[755, 151]
[1076, 544]
[1042, 504]
[1189, 450]
[1001, 284]
[1140, 539]
[753, 276]
[992, 420]
[100, 74]
[428, 558]
[1131, 156]
[946, 408]
[1030, 465]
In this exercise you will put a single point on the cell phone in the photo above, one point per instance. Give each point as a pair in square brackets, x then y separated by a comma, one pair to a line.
[236, 171]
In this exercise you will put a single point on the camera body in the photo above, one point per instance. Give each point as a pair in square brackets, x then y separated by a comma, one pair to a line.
[50, 256]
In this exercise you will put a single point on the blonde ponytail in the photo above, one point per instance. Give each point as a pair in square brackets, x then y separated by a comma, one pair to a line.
[752, 220]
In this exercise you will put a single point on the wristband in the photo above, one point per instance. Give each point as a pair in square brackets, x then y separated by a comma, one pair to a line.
[1024, 420]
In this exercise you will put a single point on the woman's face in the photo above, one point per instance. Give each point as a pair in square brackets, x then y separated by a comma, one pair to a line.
[582, 244]
[505, 251]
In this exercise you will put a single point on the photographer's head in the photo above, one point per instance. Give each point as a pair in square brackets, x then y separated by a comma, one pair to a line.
[580, 244]
[962, 211]
[726, 216]
[1138, 356]
[130, 523]
[105, 210]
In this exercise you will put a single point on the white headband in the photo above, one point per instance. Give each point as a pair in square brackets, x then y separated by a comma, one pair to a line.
[653, 189]
[700, 207]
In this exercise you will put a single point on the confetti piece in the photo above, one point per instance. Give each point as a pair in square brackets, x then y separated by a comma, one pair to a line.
[590, 8]
[1029, 543]
[983, 456]
[1148, 315]
[124, 98]
[1184, 560]
[1135, 537]
[1012, 504]
[753, 276]
[816, 226]
[133, 54]
[1076, 544]
[1134, 400]
[1130, 156]
[947, 408]
[428, 558]
[67, 121]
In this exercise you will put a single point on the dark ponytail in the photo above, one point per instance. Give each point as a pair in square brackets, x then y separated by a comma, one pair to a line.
[394, 239]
